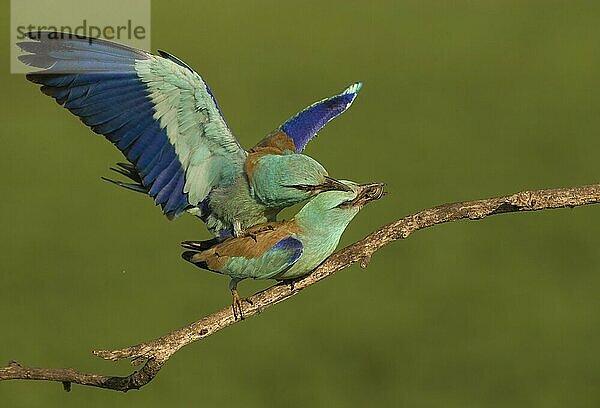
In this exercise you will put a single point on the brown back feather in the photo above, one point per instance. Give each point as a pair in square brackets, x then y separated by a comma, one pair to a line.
[254, 243]
[275, 143]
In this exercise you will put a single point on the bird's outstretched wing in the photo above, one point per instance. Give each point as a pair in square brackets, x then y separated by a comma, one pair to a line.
[263, 253]
[155, 109]
[296, 132]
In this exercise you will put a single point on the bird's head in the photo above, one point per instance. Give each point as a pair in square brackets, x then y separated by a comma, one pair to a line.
[363, 194]
[284, 180]
[339, 207]
[355, 196]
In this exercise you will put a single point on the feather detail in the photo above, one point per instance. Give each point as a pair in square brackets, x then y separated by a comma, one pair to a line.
[301, 128]
[155, 109]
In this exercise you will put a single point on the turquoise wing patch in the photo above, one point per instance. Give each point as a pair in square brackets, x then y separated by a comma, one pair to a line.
[274, 261]
[154, 109]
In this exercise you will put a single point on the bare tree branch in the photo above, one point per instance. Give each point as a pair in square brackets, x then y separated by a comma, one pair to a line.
[156, 352]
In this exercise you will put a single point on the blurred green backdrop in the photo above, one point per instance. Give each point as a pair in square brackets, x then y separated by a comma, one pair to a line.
[462, 100]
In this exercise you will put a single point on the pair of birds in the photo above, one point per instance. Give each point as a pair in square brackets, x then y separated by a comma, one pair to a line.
[164, 118]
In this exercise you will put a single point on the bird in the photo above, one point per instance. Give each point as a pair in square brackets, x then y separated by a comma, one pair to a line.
[164, 118]
[285, 250]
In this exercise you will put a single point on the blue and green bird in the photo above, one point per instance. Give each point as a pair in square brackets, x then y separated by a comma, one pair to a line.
[164, 118]
[288, 249]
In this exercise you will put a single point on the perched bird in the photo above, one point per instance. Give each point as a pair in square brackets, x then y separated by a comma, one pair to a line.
[288, 249]
[164, 118]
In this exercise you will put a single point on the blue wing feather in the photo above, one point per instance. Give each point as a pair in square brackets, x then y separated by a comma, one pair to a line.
[305, 125]
[293, 245]
[139, 112]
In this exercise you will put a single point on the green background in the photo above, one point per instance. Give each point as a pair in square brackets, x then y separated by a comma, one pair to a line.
[461, 100]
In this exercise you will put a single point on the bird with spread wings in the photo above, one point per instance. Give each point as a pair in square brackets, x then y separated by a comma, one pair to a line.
[163, 117]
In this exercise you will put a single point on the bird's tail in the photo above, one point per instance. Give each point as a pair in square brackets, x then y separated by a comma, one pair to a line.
[197, 254]
[129, 171]
[201, 245]
[193, 257]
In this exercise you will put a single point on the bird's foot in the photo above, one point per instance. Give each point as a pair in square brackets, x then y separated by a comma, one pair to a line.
[291, 283]
[237, 229]
[236, 305]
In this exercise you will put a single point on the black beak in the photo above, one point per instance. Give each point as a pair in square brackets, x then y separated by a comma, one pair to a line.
[330, 184]
[368, 192]
[371, 192]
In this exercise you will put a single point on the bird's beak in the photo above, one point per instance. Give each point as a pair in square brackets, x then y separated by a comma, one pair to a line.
[332, 184]
[366, 194]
